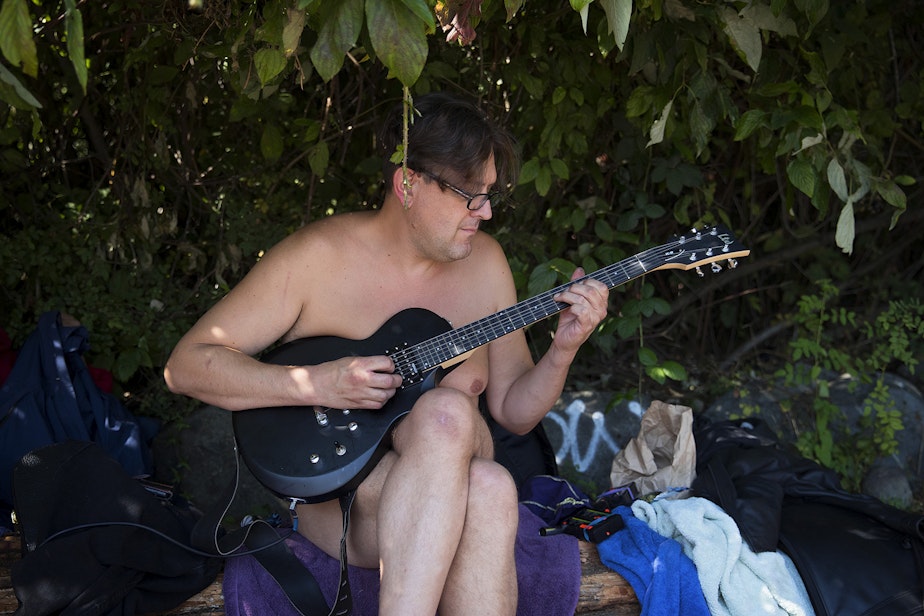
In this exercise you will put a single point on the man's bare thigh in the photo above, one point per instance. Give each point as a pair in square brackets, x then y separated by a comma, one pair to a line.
[321, 523]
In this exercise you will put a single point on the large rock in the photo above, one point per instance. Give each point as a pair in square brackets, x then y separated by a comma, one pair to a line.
[199, 458]
[586, 428]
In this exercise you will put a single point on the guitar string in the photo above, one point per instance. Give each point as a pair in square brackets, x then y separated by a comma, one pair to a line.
[411, 362]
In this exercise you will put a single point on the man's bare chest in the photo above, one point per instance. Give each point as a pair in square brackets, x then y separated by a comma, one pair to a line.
[358, 305]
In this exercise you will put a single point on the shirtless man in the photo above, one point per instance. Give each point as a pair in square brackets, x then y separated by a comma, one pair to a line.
[437, 515]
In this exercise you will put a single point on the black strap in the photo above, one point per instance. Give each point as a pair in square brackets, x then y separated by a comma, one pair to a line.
[270, 549]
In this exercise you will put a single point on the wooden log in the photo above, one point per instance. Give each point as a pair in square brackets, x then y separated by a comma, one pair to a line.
[603, 591]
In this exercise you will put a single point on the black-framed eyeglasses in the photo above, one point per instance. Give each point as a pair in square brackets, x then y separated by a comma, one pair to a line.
[474, 202]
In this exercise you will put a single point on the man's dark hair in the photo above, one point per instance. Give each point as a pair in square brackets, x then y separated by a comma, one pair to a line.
[450, 137]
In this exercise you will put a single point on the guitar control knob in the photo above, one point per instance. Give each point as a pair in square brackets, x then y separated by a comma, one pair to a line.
[314, 458]
[353, 426]
[340, 449]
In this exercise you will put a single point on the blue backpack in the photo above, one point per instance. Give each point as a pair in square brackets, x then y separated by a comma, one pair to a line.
[50, 397]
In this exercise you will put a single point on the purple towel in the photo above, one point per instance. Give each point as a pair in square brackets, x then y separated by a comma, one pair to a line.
[548, 577]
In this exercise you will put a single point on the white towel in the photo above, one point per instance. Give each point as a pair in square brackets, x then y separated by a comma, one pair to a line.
[736, 581]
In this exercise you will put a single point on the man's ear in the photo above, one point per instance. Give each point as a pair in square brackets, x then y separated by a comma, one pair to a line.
[402, 189]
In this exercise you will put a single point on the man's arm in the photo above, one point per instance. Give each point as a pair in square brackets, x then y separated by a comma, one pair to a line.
[214, 361]
[520, 393]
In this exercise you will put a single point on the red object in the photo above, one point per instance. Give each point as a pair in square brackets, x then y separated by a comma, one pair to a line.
[7, 355]
[102, 378]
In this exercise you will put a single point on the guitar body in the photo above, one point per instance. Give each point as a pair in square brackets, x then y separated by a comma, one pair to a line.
[317, 453]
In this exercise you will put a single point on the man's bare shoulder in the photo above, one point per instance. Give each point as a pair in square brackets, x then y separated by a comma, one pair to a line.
[491, 258]
[330, 233]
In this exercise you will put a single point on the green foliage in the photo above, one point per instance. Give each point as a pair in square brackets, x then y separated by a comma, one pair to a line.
[150, 152]
[819, 361]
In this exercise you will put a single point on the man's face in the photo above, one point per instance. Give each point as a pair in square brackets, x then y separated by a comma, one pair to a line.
[444, 226]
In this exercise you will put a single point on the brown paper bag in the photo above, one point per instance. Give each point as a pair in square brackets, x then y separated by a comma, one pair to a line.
[663, 455]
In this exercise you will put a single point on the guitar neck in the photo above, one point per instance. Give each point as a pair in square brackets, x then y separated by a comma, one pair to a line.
[683, 252]
[440, 350]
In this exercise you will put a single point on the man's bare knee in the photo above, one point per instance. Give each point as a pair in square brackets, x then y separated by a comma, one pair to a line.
[443, 415]
[492, 488]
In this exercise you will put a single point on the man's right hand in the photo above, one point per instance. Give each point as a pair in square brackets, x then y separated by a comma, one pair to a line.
[353, 382]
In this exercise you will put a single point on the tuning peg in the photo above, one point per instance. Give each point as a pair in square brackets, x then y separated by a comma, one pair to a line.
[732, 263]
[699, 271]
[716, 268]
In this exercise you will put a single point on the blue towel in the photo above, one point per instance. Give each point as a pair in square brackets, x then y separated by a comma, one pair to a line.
[663, 578]
[735, 580]
[548, 577]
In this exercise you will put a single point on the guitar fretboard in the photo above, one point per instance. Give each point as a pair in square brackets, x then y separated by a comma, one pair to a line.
[413, 362]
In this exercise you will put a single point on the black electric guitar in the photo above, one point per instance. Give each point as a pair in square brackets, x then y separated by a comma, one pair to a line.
[318, 453]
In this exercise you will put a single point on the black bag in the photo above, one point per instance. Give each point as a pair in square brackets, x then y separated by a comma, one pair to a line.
[851, 564]
[98, 542]
[50, 397]
[856, 555]
[525, 456]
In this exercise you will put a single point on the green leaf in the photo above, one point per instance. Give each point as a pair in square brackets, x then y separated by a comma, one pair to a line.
[269, 62]
[749, 121]
[700, 127]
[342, 23]
[20, 91]
[16, 36]
[764, 18]
[74, 27]
[581, 7]
[544, 181]
[318, 158]
[529, 171]
[292, 32]
[604, 231]
[673, 370]
[802, 175]
[627, 327]
[399, 36]
[512, 6]
[542, 278]
[647, 357]
[271, 142]
[640, 101]
[744, 36]
[559, 168]
[892, 194]
[558, 95]
[837, 179]
[656, 133]
[846, 232]
[810, 142]
[618, 15]
[127, 364]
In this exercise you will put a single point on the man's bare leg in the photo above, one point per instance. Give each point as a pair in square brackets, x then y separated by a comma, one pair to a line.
[483, 579]
[423, 510]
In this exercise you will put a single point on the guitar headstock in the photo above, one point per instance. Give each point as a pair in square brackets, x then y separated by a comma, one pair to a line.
[695, 249]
